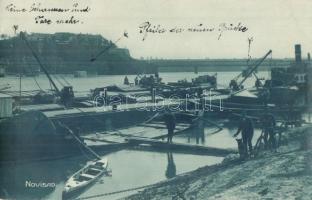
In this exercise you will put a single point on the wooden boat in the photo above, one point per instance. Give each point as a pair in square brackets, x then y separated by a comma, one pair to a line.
[85, 176]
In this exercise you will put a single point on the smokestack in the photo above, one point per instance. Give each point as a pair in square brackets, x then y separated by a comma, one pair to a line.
[309, 57]
[298, 53]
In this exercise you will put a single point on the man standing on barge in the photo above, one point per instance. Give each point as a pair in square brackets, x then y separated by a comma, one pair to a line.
[170, 121]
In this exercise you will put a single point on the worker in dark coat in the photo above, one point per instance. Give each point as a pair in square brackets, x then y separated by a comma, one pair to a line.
[258, 83]
[246, 127]
[268, 127]
[234, 86]
[126, 81]
[170, 121]
[136, 81]
[67, 96]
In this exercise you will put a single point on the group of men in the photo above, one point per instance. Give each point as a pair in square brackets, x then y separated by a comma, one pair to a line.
[144, 80]
[246, 128]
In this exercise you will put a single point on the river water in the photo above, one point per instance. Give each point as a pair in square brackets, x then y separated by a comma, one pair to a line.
[130, 168]
[90, 82]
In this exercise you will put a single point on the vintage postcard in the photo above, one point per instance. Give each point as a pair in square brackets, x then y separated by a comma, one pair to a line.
[155, 99]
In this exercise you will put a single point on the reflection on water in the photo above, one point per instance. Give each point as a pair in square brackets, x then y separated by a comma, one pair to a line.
[129, 169]
[199, 134]
[171, 168]
[137, 168]
[209, 135]
[37, 180]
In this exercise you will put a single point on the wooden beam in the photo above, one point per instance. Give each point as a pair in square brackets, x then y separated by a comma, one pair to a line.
[181, 147]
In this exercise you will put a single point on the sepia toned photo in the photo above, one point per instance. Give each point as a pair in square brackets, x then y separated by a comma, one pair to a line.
[155, 99]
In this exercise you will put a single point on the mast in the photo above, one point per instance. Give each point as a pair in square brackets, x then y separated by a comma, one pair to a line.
[249, 44]
[15, 27]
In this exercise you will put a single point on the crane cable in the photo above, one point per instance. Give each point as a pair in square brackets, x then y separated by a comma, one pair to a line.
[58, 80]
[34, 77]
[117, 192]
[63, 78]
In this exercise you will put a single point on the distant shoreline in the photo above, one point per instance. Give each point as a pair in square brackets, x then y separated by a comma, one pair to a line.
[65, 53]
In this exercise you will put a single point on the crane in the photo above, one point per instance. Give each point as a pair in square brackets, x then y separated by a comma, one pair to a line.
[24, 38]
[250, 71]
[255, 67]
[67, 93]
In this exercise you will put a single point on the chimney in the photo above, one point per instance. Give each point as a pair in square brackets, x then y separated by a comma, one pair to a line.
[298, 53]
[309, 57]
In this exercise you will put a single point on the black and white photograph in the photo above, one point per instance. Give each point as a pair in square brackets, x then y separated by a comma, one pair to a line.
[155, 99]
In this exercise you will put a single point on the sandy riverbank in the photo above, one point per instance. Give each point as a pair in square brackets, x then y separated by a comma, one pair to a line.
[285, 174]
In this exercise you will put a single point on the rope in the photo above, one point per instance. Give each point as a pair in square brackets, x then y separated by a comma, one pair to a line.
[78, 140]
[62, 77]
[131, 189]
[51, 87]
[58, 80]
[49, 66]
[83, 152]
[156, 115]
[32, 71]
[37, 83]
[117, 192]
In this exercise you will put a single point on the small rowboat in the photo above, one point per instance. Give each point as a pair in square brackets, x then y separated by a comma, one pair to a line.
[85, 176]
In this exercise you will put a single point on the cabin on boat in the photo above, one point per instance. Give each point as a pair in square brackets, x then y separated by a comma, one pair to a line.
[293, 81]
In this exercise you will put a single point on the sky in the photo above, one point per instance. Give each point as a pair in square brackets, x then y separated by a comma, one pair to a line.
[273, 24]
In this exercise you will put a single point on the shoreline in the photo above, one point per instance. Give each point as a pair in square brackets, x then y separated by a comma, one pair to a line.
[281, 175]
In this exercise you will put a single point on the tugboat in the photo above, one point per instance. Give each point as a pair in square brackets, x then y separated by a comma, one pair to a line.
[292, 82]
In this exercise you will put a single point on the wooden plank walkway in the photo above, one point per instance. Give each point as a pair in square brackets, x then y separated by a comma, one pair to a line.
[139, 131]
[195, 149]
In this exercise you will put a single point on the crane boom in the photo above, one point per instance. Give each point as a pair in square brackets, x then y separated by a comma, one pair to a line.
[255, 67]
[23, 36]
